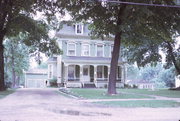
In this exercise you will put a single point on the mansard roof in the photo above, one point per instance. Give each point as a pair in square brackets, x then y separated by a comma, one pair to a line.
[68, 31]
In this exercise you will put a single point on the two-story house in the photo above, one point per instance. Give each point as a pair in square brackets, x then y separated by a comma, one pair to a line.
[84, 61]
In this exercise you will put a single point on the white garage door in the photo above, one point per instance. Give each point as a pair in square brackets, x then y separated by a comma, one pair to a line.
[36, 83]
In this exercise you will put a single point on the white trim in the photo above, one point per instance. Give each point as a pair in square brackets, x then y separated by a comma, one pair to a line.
[73, 43]
[82, 51]
[111, 50]
[100, 44]
[50, 65]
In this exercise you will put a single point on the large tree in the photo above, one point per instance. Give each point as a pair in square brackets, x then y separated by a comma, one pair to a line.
[17, 16]
[16, 59]
[131, 24]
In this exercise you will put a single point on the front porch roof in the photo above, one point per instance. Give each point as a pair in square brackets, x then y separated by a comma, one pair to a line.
[88, 60]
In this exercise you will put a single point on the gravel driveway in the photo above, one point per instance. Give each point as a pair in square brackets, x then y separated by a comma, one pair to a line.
[49, 105]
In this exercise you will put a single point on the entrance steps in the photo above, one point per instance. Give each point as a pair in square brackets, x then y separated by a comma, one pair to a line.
[89, 85]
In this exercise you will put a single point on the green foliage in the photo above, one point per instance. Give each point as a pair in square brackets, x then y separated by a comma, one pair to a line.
[18, 17]
[142, 103]
[101, 94]
[53, 82]
[16, 59]
[6, 93]
[158, 74]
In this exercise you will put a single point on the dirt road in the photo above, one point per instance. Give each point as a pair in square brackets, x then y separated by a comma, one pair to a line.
[49, 105]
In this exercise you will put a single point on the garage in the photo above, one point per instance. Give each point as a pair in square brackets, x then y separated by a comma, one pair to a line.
[35, 78]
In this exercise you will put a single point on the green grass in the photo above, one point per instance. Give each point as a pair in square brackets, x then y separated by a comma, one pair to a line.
[158, 92]
[5, 93]
[101, 94]
[141, 103]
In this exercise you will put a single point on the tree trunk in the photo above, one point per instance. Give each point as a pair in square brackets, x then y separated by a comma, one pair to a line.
[13, 66]
[170, 48]
[114, 64]
[115, 54]
[2, 84]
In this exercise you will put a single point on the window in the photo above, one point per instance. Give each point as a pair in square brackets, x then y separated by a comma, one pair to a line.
[71, 72]
[111, 50]
[79, 29]
[50, 71]
[71, 49]
[100, 50]
[85, 50]
[85, 71]
[119, 72]
[100, 72]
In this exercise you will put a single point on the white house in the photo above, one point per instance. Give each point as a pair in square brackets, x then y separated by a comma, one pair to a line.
[85, 62]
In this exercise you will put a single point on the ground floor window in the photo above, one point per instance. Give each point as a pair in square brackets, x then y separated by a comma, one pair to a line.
[102, 72]
[73, 73]
[119, 73]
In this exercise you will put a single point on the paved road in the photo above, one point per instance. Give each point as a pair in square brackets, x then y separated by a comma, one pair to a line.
[49, 105]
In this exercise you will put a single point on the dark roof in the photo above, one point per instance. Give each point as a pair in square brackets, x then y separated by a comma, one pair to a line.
[36, 71]
[88, 58]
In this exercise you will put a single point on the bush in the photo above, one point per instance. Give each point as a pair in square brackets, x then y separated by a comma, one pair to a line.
[8, 84]
[127, 86]
[53, 83]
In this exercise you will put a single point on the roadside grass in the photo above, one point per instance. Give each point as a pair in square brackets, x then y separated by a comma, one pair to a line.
[141, 103]
[102, 94]
[6, 92]
[156, 92]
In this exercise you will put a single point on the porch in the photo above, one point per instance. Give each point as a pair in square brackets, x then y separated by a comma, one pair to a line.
[82, 75]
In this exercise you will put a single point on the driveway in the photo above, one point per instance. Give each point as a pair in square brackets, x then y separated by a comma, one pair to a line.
[49, 105]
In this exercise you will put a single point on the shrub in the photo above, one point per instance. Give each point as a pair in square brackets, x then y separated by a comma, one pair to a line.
[53, 83]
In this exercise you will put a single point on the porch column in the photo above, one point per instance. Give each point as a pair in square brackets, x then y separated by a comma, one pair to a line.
[122, 74]
[59, 71]
[95, 73]
[108, 71]
[81, 72]
[66, 73]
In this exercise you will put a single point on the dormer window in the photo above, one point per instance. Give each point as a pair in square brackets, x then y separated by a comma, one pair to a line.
[79, 29]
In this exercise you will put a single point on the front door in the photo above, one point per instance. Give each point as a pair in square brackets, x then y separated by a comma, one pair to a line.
[86, 76]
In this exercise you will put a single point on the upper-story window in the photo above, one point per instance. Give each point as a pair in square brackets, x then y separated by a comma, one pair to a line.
[100, 50]
[79, 29]
[111, 50]
[71, 49]
[85, 50]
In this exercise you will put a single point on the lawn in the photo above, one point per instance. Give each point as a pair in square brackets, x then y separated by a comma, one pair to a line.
[130, 94]
[101, 94]
[141, 103]
[5, 93]
[157, 92]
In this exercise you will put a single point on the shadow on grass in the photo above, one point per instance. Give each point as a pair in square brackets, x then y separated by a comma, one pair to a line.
[141, 103]
[6, 93]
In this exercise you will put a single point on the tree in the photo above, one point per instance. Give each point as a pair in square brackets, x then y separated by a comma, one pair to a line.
[131, 24]
[17, 58]
[144, 53]
[17, 16]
